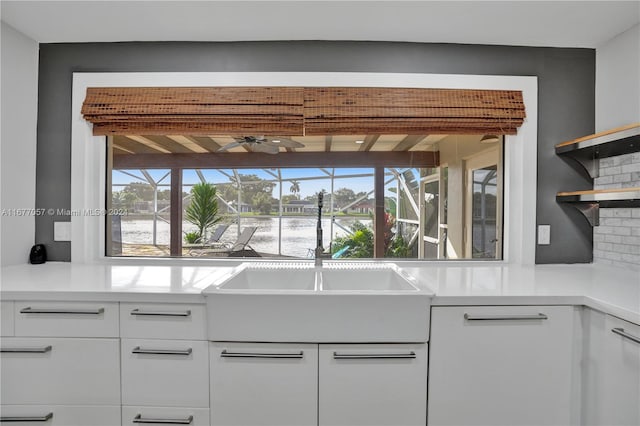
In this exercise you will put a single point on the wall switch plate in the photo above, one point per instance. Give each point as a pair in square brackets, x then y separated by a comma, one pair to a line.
[544, 235]
[62, 231]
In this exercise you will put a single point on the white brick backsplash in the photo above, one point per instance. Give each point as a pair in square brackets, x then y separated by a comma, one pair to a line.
[607, 162]
[617, 239]
[604, 246]
[633, 223]
[610, 171]
[631, 168]
[603, 180]
[622, 177]
[628, 240]
[610, 221]
[621, 212]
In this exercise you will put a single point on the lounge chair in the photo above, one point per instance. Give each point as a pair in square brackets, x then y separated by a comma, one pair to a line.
[240, 248]
[212, 241]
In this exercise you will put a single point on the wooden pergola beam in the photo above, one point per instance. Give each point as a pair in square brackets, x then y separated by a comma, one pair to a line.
[369, 141]
[229, 160]
[409, 142]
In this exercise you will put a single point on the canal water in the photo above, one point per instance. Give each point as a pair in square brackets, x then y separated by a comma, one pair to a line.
[298, 233]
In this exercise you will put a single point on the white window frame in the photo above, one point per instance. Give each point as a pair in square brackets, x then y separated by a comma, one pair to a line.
[89, 162]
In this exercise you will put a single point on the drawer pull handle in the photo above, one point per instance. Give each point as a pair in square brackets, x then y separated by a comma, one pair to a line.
[139, 350]
[621, 332]
[471, 317]
[294, 355]
[138, 312]
[140, 419]
[41, 350]
[30, 310]
[26, 418]
[410, 355]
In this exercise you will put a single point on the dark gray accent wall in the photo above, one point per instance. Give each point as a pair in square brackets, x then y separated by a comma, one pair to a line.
[566, 103]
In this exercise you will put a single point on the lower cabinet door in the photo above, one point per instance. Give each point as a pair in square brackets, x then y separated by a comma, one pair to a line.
[59, 415]
[135, 416]
[502, 365]
[264, 384]
[60, 371]
[620, 393]
[372, 384]
[171, 373]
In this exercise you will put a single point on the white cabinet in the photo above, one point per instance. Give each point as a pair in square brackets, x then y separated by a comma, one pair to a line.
[621, 387]
[66, 319]
[57, 415]
[162, 321]
[6, 318]
[372, 384]
[612, 388]
[264, 384]
[134, 416]
[60, 371]
[171, 373]
[502, 365]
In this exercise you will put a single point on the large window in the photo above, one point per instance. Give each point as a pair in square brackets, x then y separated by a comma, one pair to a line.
[449, 210]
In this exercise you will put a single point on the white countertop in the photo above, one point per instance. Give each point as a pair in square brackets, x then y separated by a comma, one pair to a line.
[611, 290]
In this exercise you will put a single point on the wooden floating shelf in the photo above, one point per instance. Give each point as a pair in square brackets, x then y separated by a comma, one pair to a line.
[588, 149]
[589, 202]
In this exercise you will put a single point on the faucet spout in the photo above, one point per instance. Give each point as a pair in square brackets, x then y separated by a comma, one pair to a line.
[319, 252]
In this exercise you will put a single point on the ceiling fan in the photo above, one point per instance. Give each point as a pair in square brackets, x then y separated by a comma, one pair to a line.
[266, 144]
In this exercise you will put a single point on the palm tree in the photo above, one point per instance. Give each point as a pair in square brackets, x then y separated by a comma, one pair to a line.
[295, 188]
[203, 209]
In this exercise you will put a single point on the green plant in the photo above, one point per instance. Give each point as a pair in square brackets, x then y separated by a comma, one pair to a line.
[203, 209]
[398, 248]
[360, 242]
[192, 237]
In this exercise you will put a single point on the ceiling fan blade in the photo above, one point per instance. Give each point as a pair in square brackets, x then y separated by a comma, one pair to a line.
[286, 142]
[266, 148]
[229, 146]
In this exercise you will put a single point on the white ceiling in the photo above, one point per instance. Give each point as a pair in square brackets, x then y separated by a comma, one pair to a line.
[522, 23]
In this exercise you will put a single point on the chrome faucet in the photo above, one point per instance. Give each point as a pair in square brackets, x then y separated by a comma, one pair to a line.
[319, 249]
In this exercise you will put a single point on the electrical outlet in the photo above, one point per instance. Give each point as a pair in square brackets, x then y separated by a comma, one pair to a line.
[62, 231]
[544, 235]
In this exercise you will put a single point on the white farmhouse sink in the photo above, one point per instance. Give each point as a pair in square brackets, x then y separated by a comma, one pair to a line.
[272, 279]
[295, 302]
[364, 280]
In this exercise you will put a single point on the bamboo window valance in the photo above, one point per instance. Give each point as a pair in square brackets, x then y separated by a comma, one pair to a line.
[299, 111]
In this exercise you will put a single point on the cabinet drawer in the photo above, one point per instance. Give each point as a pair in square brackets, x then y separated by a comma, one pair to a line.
[60, 415]
[135, 416]
[162, 321]
[60, 371]
[172, 373]
[66, 319]
[372, 384]
[264, 384]
[6, 318]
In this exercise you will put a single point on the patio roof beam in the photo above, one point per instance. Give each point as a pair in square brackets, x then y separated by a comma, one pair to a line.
[369, 141]
[284, 159]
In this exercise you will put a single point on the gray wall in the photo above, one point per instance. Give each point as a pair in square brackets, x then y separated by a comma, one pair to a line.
[566, 79]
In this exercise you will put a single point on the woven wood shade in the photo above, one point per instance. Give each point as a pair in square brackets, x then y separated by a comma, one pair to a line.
[353, 110]
[296, 111]
[195, 110]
